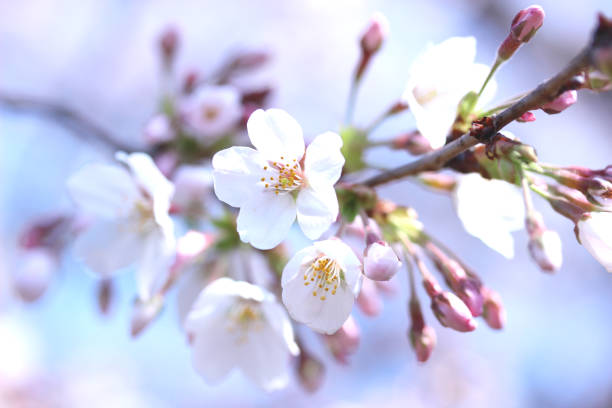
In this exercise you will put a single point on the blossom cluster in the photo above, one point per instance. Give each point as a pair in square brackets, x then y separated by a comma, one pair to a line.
[208, 210]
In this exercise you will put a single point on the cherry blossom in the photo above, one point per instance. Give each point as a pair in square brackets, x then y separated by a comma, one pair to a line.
[595, 233]
[439, 79]
[130, 224]
[237, 324]
[272, 184]
[320, 284]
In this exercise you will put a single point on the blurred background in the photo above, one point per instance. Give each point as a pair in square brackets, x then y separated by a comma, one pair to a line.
[100, 58]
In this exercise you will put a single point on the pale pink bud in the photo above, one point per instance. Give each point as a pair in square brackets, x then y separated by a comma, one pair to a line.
[452, 312]
[345, 341]
[526, 23]
[144, 312]
[158, 130]
[527, 117]
[381, 262]
[374, 34]
[168, 44]
[311, 371]
[494, 312]
[368, 300]
[545, 250]
[34, 274]
[562, 102]
[468, 290]
[423, 342]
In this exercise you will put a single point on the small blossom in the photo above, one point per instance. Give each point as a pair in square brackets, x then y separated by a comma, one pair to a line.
[345, 341]
[158, 130]
[380, 262]
[35, 271]
[546, 250]
[265, 182]
[527, 117]
[595, 234]
[211, 111]
[439, 79]
[320, 283]
[561, 103]
[131, 222]
[494, 312]
[490, 210]
[237, 324]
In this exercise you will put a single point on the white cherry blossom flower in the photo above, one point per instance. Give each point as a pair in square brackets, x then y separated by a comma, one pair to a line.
[131, 224]
[439, 79]
[272, 184]
[320, 284]
[490, 210]
[211, 111]
[237, 324]
[595, 233]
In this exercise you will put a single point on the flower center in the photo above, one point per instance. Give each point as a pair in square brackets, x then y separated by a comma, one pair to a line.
[144, 219]
[210, 113]
[244, 316]
[325, 275]
[424, 95]
[285, 176]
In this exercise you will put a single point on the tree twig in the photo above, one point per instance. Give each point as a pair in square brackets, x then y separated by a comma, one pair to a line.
[545, 92]
[68, 117]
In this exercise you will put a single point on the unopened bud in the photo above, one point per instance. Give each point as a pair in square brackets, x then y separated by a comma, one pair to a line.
[423, 342]
[523, 27]
[599, 191]
[380, 262]
[168, 44]
[368, 300]
[494, 312]
[34, 273]
[562, 102]
[452, 312]
[311, 371]
[527, 117]
[545, 250]
[414, 142]
[345, 341]
[144, 312]
[375, 34]
[190, 81]
[105, 295]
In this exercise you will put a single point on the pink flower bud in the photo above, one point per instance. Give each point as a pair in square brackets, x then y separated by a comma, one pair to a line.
[545, 250]
[374, 34]
[34, 273]
[562, 102]
[168, 44]
[423, 342]
[452, 312]
[468, 290]
[158, 130]
[105, 294]
[381, 262]
[494, 312]
[526, 23]
[311, 371]
[369, 301]
[414, 142]
[144, 312]
[527, 117]
[345, 341]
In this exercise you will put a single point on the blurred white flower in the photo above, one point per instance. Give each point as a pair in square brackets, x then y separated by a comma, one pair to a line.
[211, 111]
[236, 324]
[264, 182]
[320, 284]
[193, 189]
[595, 233]
[490, 210]
[131, 221]
[439, 79]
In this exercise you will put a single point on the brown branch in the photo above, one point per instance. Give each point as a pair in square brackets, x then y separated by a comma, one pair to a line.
[545, 92]
[75, 121]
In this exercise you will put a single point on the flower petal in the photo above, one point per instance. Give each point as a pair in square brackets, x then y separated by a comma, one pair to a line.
[154, 264]
[346, 258]
[104, 190]
[324, 160]
[303, 257]
[237, 171]
[595, 234]
[276, 134]
[277, 318]
[317, 210]
[107, 246]
[264, 221]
